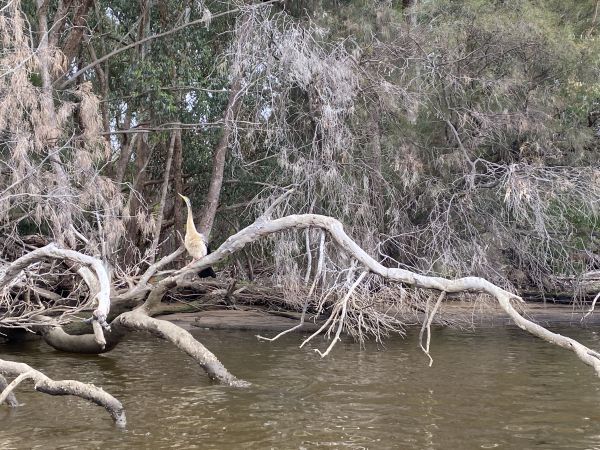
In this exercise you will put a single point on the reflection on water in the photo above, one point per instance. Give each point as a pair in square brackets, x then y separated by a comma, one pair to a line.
[494, 388]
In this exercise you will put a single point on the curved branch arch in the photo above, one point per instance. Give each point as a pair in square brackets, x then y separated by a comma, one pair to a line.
[264, 227]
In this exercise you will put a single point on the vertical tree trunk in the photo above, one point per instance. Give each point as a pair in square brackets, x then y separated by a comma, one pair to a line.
[142, 157]
[103, 82]
[73, 41]
[216, 182]
[163, 198]
[128, 141]
[411, 19]
[178, 181]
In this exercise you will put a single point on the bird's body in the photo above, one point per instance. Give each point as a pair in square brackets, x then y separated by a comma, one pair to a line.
[195, 243]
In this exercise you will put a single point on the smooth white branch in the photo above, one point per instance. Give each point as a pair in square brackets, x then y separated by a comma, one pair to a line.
[44, 384]
[97, 279]
[264, 227]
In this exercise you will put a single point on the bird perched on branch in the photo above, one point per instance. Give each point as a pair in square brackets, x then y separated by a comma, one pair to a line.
[195, 242]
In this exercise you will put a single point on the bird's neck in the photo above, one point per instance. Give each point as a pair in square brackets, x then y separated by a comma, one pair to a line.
[190, 227]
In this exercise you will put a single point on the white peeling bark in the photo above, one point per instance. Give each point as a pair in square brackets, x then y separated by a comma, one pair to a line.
[65, 387]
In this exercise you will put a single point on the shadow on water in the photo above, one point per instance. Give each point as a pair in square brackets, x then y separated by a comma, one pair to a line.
[493, 388]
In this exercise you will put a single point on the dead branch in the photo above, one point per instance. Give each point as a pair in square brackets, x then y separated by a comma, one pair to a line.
[427, 321]
[64, 387]
[98, 282]
[10, 399]
[342, 315]
[8, 390]
[263, 227]
[138, 320]
[57, 338]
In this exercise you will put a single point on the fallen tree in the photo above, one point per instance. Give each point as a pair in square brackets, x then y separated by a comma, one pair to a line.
[56, 184]
[139, 319]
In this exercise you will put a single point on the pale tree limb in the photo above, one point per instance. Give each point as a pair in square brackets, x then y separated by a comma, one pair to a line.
[44, 384]
[289, 330]
[319, 264]
[8, 390]
[263, 227]
[10, 399]
[427, 321]
[135, 320]
[53, 252]
[94, 286]
[323, 327]
[591, 310]
[138, 320]
[308, 257]
[157, 265]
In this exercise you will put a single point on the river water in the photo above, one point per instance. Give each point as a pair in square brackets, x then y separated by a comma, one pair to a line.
[489, 388]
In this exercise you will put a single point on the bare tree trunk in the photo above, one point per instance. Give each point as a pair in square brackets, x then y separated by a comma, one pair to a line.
[264, 227]
[216, 181]
[73, 41]
[138, 320]
[163, 197]
[178, 181]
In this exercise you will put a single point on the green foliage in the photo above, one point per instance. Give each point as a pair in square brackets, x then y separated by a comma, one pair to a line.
[431, 128]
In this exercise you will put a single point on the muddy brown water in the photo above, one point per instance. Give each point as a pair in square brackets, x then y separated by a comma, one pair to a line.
[491, 388]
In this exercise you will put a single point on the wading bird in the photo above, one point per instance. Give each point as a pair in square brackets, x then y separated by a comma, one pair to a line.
[195, 242]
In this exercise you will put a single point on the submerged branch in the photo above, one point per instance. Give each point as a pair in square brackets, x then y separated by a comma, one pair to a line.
[64, 387]
[427, 321]
[138, 320]
[10, 399]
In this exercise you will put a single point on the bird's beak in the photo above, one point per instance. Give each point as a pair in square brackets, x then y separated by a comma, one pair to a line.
[182, 196]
